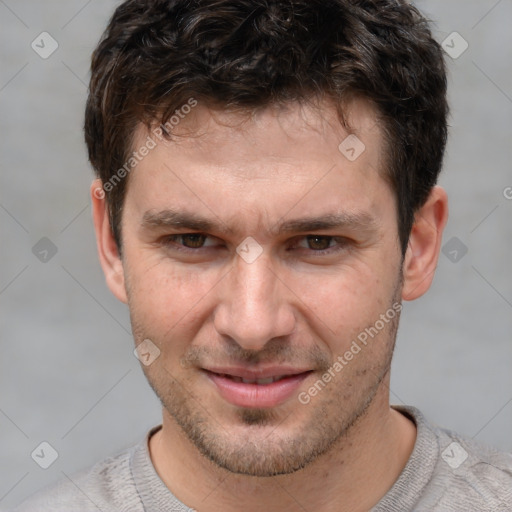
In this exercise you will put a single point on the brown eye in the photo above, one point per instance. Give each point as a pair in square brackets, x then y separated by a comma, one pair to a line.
[190, 242]
[193, 240]
[319, 243]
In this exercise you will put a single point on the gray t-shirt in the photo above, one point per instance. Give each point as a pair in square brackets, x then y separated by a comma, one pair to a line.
[445, 473]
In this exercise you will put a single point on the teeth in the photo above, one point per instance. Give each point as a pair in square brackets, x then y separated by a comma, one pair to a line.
[261, 382]
[268, 380]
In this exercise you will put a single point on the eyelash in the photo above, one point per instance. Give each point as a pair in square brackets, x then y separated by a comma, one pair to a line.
[170, 242]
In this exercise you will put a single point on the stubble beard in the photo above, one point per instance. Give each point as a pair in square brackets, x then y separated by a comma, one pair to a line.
[264, 450]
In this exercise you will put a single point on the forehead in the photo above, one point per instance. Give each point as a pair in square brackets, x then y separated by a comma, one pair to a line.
[263, 162]
[277, 131]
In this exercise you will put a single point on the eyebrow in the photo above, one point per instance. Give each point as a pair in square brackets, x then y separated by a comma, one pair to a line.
[172, 219]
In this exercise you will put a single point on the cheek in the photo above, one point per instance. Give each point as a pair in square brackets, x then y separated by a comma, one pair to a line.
[165, 298]
[346, 293]
[341, 305]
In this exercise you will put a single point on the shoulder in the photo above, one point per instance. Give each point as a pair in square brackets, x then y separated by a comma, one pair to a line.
[476, 473]
[467, 474]
[107, 486]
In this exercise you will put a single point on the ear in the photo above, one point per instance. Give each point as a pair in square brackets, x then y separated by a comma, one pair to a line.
[424, 245]
[107, 248]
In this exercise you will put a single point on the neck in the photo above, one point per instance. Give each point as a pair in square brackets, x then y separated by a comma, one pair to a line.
[353, 476]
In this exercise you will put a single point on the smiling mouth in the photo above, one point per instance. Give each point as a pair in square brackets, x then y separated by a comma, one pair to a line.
[260, 382]
[257, 391]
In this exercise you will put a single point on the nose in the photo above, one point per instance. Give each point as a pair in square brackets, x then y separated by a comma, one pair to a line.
[254, 305]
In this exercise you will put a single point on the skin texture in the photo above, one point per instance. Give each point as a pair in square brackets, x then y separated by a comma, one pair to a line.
[301, 303]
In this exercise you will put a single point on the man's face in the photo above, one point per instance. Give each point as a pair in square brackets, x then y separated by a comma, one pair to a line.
[322, 265]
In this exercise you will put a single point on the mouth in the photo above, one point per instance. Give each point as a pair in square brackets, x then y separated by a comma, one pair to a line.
[257, 389]
[260, 382]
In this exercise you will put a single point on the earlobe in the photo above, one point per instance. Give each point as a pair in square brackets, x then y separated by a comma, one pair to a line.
[424, 245]
[107, 248]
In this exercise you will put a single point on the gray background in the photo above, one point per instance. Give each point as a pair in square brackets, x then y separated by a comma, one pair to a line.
[67, 372]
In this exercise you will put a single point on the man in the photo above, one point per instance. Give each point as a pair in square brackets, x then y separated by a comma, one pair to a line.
[266, 198]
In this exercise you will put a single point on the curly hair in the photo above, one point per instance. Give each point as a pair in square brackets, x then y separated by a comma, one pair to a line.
[250, 54]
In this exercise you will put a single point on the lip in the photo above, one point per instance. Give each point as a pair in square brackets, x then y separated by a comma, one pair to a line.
[255, 395]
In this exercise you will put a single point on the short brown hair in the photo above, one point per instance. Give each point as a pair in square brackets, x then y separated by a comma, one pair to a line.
[248, 54]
